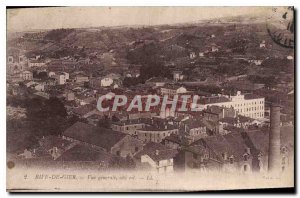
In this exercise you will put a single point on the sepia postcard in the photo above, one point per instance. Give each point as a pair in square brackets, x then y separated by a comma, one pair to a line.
[149, 99]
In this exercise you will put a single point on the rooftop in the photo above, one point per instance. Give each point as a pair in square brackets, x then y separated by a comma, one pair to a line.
[104, 138]
[84, 153]
[157, 152]
[212, 100]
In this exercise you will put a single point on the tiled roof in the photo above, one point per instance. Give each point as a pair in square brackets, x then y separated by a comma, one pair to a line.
[49, 142]
[84, 153]
[104, 138]
[151, 149]
[194, 123]
[82, 110]
[163, 154]
[252, 96]
[181, 140]
[212, 100]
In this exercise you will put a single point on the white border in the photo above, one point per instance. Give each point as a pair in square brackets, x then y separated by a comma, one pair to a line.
[5, 3]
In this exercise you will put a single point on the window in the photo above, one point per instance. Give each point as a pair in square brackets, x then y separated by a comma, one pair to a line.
[245, 157]
[136, 149]
[118, 153]
[194, 156]
[245, 168]
[231, 160]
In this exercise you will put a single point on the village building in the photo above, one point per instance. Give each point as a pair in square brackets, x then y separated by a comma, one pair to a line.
[61, 77]
[154, 133]
[26, 75]
[248, 105]
[36, 63]
[129, 127]
[177, 76]
[172, 90]
[158, 158]
[103, 139]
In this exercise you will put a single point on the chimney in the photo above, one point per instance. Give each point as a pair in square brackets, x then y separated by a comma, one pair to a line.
[274, 139]
[157, 152]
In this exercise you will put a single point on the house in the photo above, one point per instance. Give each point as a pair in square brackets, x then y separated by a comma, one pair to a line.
[49, 147]
[82, 154]
[61, 77]
[172, 90]
[177, 76]
[241, 152]
[83, 100]
[31, 84]
[132, 73]
[84, 111]
[69, 96]
[262, 44]
[256, 62]
[93, 119]
[81, 78]
[197, 157]
[215, 113]
[106, 82]
[55, 146]
[36, 63]
[128, 126]
[214, 47]
[16, 63]
[61, 65]
[192, 55]
[103, 139]
[157, 81]
[155, 133]
[40, 87]
[26, 75]
[195, 129]
[175, 141]
[159, 157]
[239, 121]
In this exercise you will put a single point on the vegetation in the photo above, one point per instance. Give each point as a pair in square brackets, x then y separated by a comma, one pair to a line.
[57, 34]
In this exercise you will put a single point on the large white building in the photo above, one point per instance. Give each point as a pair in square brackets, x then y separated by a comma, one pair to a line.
[248, 105]
[61, 78]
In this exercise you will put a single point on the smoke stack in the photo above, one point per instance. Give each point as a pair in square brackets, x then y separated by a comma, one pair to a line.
[274, 139]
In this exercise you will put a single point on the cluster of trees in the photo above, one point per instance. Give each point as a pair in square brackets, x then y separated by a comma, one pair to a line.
[44, 117]
[40, 75]
[57, 34]
[232, 69]
[149, 56]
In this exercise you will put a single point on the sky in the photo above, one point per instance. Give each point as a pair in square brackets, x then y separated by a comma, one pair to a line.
[81, 17]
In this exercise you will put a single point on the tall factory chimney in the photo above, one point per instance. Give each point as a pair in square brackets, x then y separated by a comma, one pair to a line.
[274, 139]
